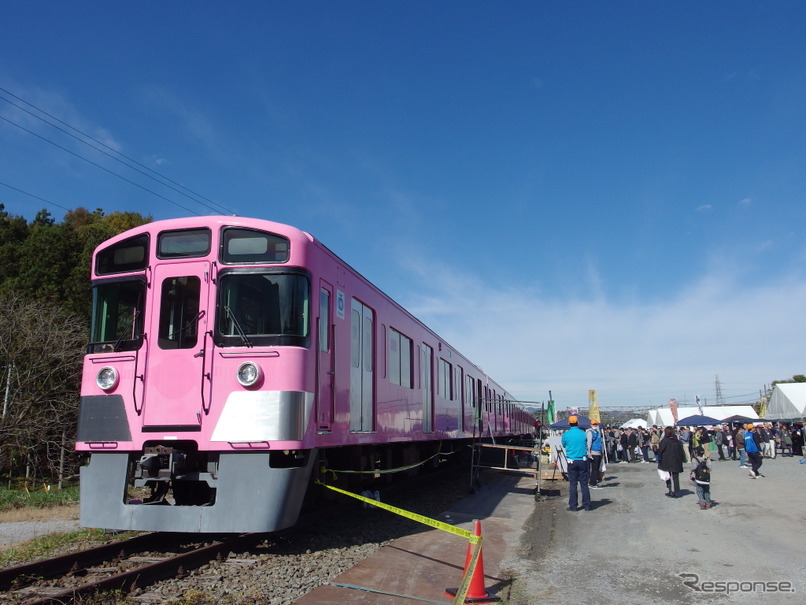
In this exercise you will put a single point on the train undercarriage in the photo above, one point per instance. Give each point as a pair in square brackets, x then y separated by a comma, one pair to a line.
[172, 486]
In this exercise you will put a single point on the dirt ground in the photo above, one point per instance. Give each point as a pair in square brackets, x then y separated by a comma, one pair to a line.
[638, 545]
[21, 525]
[53, 513]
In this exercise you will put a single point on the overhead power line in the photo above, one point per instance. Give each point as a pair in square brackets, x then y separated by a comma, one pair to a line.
[41, 199]
[97, 165]
[113, 154]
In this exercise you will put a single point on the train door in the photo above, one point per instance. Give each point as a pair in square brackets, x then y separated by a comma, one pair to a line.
[176, 386]
[470, 398]
[427, 386]
[479, 407]
[326, 364]
[362, 355]
[460, 396]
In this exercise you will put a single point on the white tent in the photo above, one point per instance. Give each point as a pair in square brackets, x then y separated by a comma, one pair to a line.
[663, 416]
[634, 423]
[726, 411]
[788, 401]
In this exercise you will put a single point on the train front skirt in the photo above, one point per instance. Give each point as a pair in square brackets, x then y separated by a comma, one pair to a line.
[251, 496]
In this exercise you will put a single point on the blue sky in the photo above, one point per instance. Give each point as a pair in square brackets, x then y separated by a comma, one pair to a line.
[577, 195]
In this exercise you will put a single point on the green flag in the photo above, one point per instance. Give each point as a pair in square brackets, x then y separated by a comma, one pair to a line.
[550, 413]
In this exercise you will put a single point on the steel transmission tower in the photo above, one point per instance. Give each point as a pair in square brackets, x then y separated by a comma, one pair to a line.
[718, 386]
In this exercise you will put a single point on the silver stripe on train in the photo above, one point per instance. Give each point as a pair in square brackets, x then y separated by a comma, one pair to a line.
[264, 416]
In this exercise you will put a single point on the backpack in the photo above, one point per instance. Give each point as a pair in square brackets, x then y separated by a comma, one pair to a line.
[702, 474]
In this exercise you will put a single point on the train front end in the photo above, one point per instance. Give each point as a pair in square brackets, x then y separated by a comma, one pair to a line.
[197, 386]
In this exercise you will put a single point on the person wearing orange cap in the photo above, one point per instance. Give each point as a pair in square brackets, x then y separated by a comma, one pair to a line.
[575, 444]
[738, 438]
[753, 450]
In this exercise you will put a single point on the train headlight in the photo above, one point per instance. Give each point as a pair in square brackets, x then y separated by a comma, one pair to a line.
[249, 374]
[107, 378]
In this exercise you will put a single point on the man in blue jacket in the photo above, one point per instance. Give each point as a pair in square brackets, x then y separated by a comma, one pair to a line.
[753, 451]
[575, 445]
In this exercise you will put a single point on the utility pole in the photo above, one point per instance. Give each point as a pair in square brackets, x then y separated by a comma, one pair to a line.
[61, 459]
[9, 368]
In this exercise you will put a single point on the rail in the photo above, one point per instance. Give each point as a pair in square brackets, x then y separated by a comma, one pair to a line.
[26, 581]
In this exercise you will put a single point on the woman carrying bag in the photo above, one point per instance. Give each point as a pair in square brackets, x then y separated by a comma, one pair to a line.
[670, 460]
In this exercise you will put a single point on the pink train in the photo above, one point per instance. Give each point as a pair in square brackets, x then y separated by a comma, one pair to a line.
[231, 361]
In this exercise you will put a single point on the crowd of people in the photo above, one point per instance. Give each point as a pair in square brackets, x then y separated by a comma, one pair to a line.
[589, 451]
[641, 444]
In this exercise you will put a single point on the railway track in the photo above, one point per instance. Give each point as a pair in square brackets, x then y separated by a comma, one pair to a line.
[323, 542]
[130, 564]
[113, 567]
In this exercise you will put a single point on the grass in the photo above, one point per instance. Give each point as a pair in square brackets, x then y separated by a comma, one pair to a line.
[45, 546]
[38, 498]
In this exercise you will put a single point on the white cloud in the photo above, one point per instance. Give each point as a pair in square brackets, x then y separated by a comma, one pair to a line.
[704, 208]
[195, 123]
[636, 354]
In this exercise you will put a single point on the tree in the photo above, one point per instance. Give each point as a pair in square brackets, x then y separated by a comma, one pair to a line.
[51, 261]
[91, 231]
[45, 301]
[48, 256]
[795, 378]
[13, 232]
[41, 348]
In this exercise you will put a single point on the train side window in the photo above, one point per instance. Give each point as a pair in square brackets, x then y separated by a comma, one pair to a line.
[399, 358]
[406, 350]
[129, 255]
[444, 379]
[324, 320]
[355, 339]
[393, 355]
[367, 345]
[469, 397]
[362, 373]
[179, 312]
[426, 384]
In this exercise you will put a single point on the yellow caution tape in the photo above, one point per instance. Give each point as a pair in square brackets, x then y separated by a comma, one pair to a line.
[461, 592]
[467, 535]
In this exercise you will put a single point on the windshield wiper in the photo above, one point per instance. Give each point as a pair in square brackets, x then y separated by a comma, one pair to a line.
[125, 331]
[235, 323]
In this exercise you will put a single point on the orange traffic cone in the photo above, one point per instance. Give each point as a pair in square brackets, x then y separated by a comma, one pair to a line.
[476, 592]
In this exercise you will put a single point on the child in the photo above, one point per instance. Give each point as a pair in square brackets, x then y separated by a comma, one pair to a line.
[701, 476]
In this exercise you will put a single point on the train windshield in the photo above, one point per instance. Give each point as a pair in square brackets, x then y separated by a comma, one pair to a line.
[117, 316]
[263, 309]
